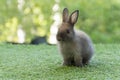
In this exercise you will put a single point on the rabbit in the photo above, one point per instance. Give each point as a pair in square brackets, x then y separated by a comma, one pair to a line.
[75, 46]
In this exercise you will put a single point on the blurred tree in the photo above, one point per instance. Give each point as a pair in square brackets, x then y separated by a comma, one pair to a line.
[32, 16]
[98, 18]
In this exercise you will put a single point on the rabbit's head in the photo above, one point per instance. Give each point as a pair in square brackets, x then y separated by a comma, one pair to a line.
[66, 29]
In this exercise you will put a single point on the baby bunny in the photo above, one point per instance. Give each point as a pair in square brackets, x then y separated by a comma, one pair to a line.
[75, 46]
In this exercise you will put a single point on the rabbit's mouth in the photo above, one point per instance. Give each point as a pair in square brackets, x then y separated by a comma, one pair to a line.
[65, 39]
[60, 39]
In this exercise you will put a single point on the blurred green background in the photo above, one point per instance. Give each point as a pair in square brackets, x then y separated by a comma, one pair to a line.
[98, 18]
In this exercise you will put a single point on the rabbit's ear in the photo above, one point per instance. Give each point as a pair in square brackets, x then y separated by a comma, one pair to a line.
[65, 15]
[74, 17]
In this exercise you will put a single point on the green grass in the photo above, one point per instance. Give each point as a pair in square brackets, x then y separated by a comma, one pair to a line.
[43, 62]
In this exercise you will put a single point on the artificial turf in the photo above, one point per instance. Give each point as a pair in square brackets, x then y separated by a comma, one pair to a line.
[43, 62]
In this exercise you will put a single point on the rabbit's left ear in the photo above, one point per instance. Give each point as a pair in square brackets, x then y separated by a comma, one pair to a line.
[74, 17]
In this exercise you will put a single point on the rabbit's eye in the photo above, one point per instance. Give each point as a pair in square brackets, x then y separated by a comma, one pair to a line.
[68, 31]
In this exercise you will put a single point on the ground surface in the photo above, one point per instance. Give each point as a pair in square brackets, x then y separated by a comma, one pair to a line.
[42, 62]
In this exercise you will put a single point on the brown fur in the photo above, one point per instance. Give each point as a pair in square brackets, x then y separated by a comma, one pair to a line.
[75, 46]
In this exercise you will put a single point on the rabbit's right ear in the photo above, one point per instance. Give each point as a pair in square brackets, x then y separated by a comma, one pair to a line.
[65, 15]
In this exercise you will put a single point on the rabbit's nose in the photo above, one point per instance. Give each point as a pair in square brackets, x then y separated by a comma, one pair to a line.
[60, 37]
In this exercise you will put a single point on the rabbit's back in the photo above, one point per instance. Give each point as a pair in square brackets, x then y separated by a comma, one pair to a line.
[85, 43]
